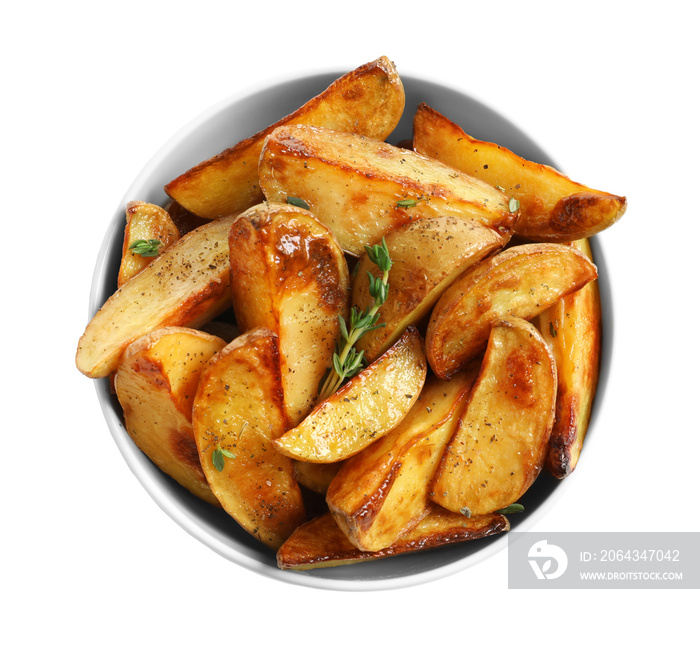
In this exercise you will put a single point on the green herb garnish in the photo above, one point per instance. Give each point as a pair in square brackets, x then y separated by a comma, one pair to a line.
[466, 512]
[145, 247]
[514, 205]
[218, 455]
[512, 509]
[407, 203]
[347, 361]
[297, 202]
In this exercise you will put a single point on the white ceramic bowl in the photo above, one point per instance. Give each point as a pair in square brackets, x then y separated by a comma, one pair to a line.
[236, 118]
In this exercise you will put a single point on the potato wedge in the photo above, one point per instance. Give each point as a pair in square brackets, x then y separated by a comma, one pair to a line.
[238, 412]
[366, 408]
[155, 383]
[553, 208]
[144, 221]
[368, 101]
[321, 543]
[288, 274]
[522, 281]
[427, 256]
[382, 492]
[362, 188]
[187, 285]
[572, 330]
[502, 437]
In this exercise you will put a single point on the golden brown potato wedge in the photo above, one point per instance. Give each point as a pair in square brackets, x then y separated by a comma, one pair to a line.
[501, 441]
[368, 101]
[238, 412]
[427, 256]
[366, 408]
[146, 222]
[572, 330]
[552, 207]
[362, 188]
[321, 543]
[187, 285]
[382, 492]
[522, 281]
[155, 383]
[316, 476]
[288, 274]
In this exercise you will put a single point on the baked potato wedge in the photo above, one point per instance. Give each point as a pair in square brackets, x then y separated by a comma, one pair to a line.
[572, 330]
[362, 188]
[238, 412]
[364, 409]
[187, 285]
[522, 281]
[321, 543]
[427, 255]
[502, 438]
[289, 275]
[368, 101]
[155, 384]
[144, 222]
[382, 492]
[553, 208]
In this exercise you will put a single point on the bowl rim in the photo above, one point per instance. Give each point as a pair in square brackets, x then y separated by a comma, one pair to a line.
[136, 460]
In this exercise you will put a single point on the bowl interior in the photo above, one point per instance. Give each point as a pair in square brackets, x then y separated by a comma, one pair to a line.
[222, 126]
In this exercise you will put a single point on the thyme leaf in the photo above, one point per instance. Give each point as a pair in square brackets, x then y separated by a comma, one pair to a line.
[513, 508]
[145, 247]
[218, 457]
[297, 202]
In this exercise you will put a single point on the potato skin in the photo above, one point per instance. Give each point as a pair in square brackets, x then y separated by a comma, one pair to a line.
[288, 274]
[155, 383]
[553, 208]
[522, 281]
[368, 100]
[321, 543]
[187, 285]
[502, 438]
[357, 185]
[572, 329]
[239, 408]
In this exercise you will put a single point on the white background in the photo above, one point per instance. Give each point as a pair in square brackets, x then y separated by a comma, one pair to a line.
[90, 95]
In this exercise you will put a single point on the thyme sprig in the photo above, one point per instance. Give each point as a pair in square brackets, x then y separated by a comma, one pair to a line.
[347, 360]
[145, 247]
